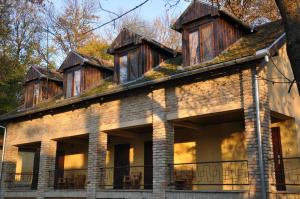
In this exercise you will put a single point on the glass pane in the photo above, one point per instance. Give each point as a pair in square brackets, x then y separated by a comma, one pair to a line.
[77, 78]
[207, 42]
[194, 48]
[69, 84]
[133, 65]
[36, 93]
[123, 69]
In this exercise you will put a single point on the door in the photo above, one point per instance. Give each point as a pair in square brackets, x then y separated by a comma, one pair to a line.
[148, 165]
[121, 164]
[35, 172]
[278, 161]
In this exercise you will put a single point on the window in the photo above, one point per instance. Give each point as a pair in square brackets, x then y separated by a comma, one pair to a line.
[133, 65]
[36, 93]
[69, 84]
[206, 39]
[123, 69]
[201, 45]
[77, 78]
[73, 83]
[194, 50]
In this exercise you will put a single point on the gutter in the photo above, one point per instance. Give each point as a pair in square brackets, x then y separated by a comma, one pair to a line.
[2, 156]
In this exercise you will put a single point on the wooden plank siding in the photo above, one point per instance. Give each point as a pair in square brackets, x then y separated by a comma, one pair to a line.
[47, 89]
[148, 57]
[223, 35]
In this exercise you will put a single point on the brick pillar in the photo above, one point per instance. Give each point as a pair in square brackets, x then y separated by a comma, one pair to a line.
[248, 100]
[9, 163]
[47, 165]
[163, 141]
[96, 162]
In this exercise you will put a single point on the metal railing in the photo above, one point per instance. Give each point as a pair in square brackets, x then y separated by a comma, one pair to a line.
[26, 180]
[126, 177]
[285, 172]
[218, 175]
[68, 179]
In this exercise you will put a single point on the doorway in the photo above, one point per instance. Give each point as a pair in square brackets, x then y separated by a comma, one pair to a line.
[278, 160]
[121, 164]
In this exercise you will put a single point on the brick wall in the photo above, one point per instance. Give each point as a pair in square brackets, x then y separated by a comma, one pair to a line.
[158, 108]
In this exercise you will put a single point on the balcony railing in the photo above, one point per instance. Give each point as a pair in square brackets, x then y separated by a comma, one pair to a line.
[68, 179]
[26, 180]
[126, 177]
[219, 175]
[285, 173]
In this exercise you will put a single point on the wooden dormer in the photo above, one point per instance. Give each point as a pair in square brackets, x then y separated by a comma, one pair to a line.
[81, 73]
[41, 84]
[135, 54]
[207, 31]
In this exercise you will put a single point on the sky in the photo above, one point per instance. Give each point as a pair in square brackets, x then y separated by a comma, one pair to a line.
[149, 11]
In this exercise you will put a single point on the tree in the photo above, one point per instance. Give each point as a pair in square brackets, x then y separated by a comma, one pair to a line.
[134, 22]
[97, 48]
[20, 29]
[246, 10]
[70, 28]
[290, 12]
[164, 34]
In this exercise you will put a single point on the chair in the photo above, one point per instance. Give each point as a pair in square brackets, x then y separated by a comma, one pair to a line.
[183, 179]
[136, 178]
[127, 182]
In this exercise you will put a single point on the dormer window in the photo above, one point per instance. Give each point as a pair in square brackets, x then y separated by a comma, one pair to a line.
[135, 54]
[41, 84]
[82, 72]
[206, 32]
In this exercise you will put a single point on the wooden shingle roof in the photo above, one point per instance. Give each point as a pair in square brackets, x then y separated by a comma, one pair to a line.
[75, 58]
[267, 39]
[127, 37]
[198, 9]
[36, 72]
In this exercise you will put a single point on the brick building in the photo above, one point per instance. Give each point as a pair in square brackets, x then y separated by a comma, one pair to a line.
[186, 128]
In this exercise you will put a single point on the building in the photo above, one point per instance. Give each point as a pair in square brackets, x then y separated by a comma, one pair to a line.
[187, 128]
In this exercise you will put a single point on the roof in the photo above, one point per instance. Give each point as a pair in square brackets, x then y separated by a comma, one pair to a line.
[36, 72]
[198, 9]
[127, 37]
[250, 47]
[75, 58]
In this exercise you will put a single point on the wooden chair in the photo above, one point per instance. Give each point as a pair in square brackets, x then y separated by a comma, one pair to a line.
[127, 182]
[136, 178]
[183, 179]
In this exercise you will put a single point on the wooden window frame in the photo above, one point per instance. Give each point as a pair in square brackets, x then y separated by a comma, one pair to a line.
[197, 26]
[127, 52]
[190, 31]
[72, 71]
[202, 59]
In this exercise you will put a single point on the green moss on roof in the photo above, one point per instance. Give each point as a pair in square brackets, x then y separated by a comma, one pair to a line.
[246, 46]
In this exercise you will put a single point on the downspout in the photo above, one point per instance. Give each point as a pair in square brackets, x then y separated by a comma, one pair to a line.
[259, 135]
[2, 156]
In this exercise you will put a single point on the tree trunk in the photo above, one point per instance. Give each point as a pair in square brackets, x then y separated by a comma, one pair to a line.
[290, 13]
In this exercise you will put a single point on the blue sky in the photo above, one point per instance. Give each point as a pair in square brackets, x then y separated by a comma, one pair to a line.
[152, 9]
[149, 11]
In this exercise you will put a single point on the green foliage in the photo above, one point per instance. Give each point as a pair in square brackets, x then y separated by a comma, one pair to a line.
[96, 48]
